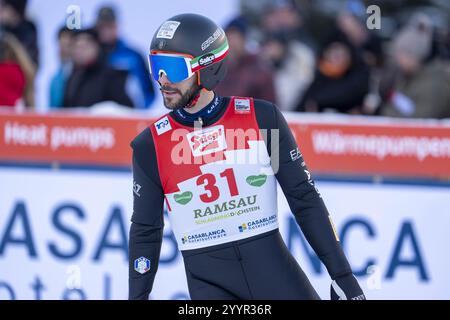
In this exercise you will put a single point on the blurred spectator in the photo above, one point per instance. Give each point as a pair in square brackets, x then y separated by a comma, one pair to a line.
[342, 79]
[12, 20]
[288, 52]
[445, 39]
[418, 82]
[352, 22]
[17, 73]
[59, 80]
[247, 75]
[92, 80]
[121, 57]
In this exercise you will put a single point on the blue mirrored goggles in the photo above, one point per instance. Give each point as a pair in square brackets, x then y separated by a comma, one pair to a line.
[175, 67]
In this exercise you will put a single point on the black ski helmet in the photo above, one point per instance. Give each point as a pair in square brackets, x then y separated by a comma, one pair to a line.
[196, 36]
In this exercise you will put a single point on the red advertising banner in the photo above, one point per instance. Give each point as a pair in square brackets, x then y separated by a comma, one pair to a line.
[387, 150]
[68, 139]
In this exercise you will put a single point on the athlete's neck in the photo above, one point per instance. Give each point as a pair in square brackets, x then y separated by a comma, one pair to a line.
[205, 99]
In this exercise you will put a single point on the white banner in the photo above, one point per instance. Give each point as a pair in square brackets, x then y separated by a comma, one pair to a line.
[63, 235]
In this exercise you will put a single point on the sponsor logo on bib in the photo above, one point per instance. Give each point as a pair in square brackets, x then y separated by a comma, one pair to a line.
[259, 223]
[207, 141]
[206, 60]
[204, 236]
[242, 105]
[142, 265]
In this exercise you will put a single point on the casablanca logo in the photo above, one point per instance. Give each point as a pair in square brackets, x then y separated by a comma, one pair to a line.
[136, 188]
[243, 227]
[256, 181]
[142, 265]
[183, 198]
[259, 223]
[204, 236]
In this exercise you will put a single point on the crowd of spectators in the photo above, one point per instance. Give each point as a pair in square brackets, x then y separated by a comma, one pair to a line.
[285, 51]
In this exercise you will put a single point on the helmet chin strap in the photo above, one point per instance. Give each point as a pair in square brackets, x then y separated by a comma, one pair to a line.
[194, 99]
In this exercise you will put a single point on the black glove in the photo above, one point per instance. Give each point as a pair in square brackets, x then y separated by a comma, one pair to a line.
[346, 287]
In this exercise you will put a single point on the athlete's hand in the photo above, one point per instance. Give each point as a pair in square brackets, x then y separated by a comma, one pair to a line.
[346, 288]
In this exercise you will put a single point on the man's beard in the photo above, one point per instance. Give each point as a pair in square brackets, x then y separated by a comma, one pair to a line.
[184, 99]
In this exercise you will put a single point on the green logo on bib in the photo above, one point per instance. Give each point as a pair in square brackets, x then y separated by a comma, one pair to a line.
[183, 198]
[256, 181]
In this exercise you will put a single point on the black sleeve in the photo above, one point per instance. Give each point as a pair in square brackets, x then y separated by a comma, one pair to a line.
[295, 180]
[146, 230]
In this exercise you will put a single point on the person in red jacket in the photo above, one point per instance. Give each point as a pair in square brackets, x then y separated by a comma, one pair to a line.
[12, 83]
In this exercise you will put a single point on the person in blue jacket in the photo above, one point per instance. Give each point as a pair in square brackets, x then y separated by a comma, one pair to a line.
[121, 57]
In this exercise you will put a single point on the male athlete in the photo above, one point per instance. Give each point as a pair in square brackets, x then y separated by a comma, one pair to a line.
[215, 162]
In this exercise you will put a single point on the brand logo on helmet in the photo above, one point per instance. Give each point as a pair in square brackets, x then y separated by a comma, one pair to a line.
[206, 60]
[211, 39]
[204, 236]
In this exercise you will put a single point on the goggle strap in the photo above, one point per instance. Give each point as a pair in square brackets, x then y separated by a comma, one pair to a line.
[219, 54]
